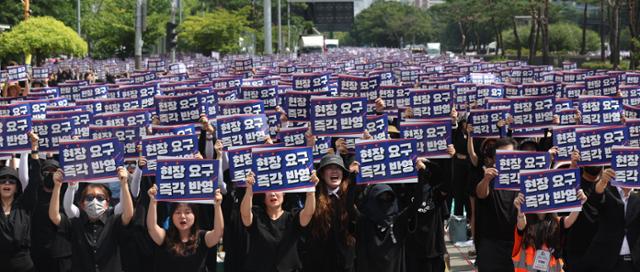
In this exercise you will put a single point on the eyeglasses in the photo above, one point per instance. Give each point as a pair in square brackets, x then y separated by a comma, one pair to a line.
[8, 181]
[90, 198]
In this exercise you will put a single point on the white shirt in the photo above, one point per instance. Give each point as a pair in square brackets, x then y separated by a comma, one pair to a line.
[624, 250]
[334, 192]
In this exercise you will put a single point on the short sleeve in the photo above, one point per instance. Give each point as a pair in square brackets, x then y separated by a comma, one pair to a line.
[65, 225]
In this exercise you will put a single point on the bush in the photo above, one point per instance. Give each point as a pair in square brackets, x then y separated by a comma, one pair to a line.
[565, 37]
[593, 65]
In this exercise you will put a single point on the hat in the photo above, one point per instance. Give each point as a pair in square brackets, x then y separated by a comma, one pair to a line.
[50, 164]
[9, 172]
[330, 159]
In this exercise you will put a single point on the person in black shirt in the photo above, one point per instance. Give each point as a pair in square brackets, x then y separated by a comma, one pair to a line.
[495, 219]
[330, 243]
[17, 211]
[95, 234]
[274, 232]
[184, 246]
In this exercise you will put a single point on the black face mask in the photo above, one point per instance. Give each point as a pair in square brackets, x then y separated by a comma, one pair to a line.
[47, 180]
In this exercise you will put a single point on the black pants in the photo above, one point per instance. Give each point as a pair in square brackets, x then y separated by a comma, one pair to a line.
[460, 179]
[494, 255]
[624, 266]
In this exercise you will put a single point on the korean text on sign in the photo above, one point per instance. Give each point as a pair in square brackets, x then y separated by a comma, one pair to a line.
[550, 190]
[387, 161]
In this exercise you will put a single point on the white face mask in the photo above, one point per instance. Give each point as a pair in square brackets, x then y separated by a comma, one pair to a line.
[95, 209]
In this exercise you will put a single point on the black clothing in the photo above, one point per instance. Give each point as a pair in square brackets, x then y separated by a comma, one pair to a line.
[95, 245]
[273, 244]
[170, 262]
[581, 233]
[15, 228]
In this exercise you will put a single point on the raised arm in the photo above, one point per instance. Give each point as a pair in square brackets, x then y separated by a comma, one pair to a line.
[573, 216]
[156, 233]
[212, 237]
[70, 209]
[522, 219]
[127, 202]
[484, 187]
[310, 202]
[473, 157]
[54, 203]
[247, 201]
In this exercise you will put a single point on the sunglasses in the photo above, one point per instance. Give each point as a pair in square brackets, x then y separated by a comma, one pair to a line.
[90, 198]
[8, 181]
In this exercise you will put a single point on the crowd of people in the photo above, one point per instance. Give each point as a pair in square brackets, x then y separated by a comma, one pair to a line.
[48, 224]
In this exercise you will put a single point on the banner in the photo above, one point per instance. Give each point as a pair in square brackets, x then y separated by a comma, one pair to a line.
[117, 105]
[40, 73]
[460, 90]
[485, 92]
[242, 129]
[532, 112]
[183, 109]
[311, 82]
[432, 138]
[268, 94]
[394, 96]
[431, 103]
[600, 110]
[601, 86]
[293, 136]
[626, 162]
[17, 73]
[90, 92]
[241, 106]
[167, 146]
[15, 109]
[595, 144]
[338, 116]
[387, 161]
[128, 136]
[240, 162]
[550, 190]
[634, 132]
[485, 123]
[51, 131]
[13, 133]
[321, 148]
[143, 77]
[144, 93]
[565, 139]
[90, 160]
[378, 126]
[187, 180]
[510, 163]
[139, 118]
[282, 169]
[296, 105]
[630, 95]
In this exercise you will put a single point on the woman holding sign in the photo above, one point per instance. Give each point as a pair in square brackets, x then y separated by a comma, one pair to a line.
[184, 246]
[274, 232]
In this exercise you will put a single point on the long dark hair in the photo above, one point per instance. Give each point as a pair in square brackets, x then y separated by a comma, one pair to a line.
[173, 242]
[542, 232]
[324, 208]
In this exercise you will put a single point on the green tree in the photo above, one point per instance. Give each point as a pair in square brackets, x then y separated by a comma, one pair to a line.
[390, 24]
[219, 31]
[42, 37]
[563, 37]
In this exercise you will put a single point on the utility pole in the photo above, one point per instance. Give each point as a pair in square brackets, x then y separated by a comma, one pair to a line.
[138, 39]
[267, 27]
[174, 7]
[279, 27]
[78, 17]
[289, 26]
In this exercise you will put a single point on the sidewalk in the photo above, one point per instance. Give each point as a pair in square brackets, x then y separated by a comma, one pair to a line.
[459, 258]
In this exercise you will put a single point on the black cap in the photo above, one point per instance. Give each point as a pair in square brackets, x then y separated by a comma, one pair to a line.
[330, 159]
[9, 172]
[50, 164]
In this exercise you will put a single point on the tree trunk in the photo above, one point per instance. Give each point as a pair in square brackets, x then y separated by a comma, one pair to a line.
[501, 44]
[614, 34]
[583, 46]
[545, 33]
[532, 35]
[633, 30]
[517, 38]
[603, 55]
[463, 38]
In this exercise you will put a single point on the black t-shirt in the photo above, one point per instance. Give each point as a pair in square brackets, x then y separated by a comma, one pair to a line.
[496, 215]
[170, 262]
[94, 244]
[585, 227]
[273, 244]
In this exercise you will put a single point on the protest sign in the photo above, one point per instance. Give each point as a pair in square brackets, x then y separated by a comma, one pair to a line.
[594, 144]
[242, 106]
[601, 86]
[510, 163]
[40, 73]
[634, 132]
[531, 112]
[187, 180]
[293, 136]
[378, 126]
[242, 129]
[550, 191]
[282, 169]
[167, 146]
[485, 122]
[15, 109]
[387, 161]
[51, 131]
[90, 160]
[17, 73]
[13, 133]
[143, 77]
[338, 116]
[626, 163]
[630, 95]
[432, 138]
[187, 129]
[431, 103]
[268, 94]
[183, 109]
[240, 161]
[394, 96]
[128, 136]
[600, 110]
[311, 82]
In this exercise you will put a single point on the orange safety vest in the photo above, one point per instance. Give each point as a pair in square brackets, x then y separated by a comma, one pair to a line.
[523, 258]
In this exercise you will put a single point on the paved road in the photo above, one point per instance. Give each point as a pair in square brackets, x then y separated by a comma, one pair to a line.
[459, 259]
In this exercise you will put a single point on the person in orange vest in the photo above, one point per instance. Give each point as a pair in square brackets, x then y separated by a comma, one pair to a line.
[538, 238]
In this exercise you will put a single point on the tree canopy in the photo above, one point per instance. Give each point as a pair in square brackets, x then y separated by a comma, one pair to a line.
[42, 37]
[215, 31]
